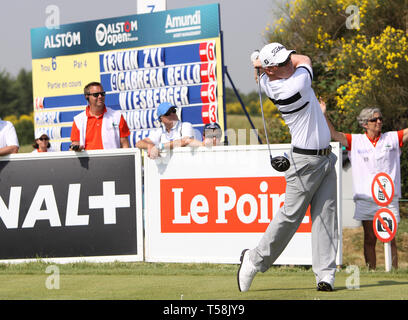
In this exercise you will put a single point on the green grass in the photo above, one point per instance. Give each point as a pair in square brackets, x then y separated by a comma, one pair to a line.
[166, 281]
[236, 121]
[240, 122]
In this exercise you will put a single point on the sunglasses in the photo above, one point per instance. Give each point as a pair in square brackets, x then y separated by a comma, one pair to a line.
[211, 126]
[170, 111]
[375, 119]
[284, 63]
[96, 94]
[44, 138]
[211, 133]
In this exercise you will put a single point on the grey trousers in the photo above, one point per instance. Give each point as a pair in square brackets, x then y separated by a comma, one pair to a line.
[309, 180]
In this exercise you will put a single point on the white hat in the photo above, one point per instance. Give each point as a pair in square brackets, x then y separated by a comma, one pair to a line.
[273, 54]
[39, 133]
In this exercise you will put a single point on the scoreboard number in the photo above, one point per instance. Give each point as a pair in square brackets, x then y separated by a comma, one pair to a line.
[209, 93]
[207, 51]
[207, 72]
[209, 113]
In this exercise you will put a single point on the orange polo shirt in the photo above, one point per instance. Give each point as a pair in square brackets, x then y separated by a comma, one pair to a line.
[93, 140]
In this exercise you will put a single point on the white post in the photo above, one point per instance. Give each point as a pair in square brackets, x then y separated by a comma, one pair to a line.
[388, 256]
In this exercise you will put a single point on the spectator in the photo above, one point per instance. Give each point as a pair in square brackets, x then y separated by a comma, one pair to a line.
[8, 138]
[98, 127]
[212, 134]
[42, 142]
[171, 134]
[370, 153]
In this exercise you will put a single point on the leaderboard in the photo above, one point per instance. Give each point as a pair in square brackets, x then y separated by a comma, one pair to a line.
[183, 71]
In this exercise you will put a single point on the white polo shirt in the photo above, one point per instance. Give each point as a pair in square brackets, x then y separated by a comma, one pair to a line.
[180, 130]
[300, 109]
[8, 135]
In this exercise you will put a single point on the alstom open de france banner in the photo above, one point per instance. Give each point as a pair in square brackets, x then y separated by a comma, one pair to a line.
[141, 60]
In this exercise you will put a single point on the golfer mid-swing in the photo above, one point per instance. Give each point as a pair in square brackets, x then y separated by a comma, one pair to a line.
[286, 78]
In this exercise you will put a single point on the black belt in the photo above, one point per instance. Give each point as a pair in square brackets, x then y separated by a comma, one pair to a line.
[311, 152]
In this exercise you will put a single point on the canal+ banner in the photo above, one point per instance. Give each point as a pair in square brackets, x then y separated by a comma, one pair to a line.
[141, 60]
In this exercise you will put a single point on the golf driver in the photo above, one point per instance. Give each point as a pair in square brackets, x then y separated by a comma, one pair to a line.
[279, 163]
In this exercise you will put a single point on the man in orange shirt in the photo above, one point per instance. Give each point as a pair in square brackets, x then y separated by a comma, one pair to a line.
[98, 127]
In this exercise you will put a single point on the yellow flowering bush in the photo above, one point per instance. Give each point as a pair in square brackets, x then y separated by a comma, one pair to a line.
[24, 126]
[359, 52]
[278, 131]
[377, 67]
[358, 49]
[234, 108]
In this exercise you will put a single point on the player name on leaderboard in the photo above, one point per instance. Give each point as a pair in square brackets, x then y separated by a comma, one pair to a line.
[139, 80]
[149, 76]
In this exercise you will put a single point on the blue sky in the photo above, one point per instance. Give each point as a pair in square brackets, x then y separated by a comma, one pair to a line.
[242, 23]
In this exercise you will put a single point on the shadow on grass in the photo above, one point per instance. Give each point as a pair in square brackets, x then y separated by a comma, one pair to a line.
[283, 289]
[380, 283]
[341, 288]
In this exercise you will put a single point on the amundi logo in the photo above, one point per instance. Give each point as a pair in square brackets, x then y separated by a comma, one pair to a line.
[183, 23]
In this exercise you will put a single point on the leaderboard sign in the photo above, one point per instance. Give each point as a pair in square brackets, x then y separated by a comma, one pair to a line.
[141, 61]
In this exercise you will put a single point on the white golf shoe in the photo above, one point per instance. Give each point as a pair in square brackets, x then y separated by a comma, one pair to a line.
[246, 272]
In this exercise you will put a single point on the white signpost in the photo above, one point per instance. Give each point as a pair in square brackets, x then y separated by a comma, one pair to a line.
[384, 222]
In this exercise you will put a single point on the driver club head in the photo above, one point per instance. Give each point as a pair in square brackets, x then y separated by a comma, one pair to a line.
[280, 163]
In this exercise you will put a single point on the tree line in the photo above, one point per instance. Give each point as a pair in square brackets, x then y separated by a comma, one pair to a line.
[16, 103]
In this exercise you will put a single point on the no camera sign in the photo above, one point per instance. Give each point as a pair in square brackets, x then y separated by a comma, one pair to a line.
[382, 189]
[385, 225]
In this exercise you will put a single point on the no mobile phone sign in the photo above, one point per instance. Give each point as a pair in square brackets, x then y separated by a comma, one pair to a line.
[382, 189]
[385, 225]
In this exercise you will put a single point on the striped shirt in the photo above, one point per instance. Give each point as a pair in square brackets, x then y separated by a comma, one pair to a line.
[295, 99]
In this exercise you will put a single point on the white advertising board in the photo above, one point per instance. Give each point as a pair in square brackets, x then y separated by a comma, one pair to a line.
[208, 204]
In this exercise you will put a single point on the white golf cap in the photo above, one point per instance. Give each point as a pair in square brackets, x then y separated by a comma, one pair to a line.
[39, 133]
[273, 54]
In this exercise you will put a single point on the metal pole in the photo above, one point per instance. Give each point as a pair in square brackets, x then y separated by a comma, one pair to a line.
[242, 104]
[388, 256]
